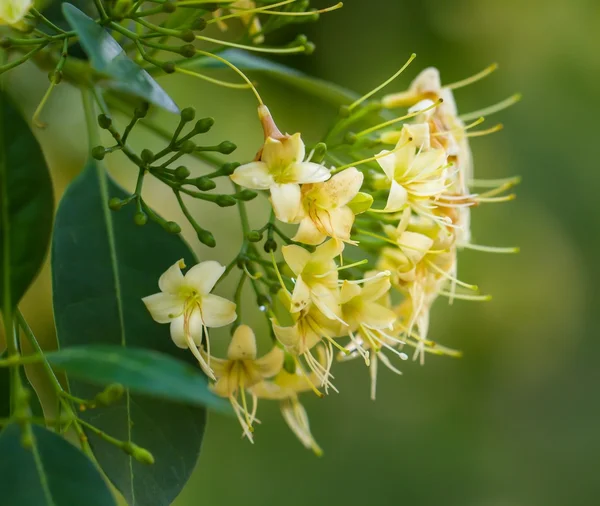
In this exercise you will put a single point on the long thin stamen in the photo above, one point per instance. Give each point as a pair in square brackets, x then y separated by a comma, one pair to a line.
[335, 7]
[473, 79]
[490, 249]
[492, 183]
[464, 296]
[486, 111]
[489, 131]
[447, 275]
[478, 121]
[245, 406]
[243, 12]
[224, 84]
[272, 50]
[382, 85]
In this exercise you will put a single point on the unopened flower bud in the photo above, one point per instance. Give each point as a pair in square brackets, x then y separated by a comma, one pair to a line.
[169, 7]
[246, 195]
[187, 50]
[182, 172]
[188, 114]
[254, 236]
[147, 156]
[228, 168]
[172, 227]
[99, 152]
[188, 147]
[142, 110]
[168, 67]
[140, 218]
[203, 125]
[206, 237]
[198, 24]
[115, 204]
[205, 184]
[227, 147]
[187, 36]
[104, 121]
[270, 245]
[140, 454]
[225, 201]
[110, 395]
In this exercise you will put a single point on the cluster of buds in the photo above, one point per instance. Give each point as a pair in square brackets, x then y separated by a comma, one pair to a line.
[405, 210]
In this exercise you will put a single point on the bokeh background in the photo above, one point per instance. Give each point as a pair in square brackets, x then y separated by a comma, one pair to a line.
[516, 421]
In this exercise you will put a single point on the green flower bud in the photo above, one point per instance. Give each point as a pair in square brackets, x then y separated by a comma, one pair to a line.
[289, 363]
[187, 36]
[99, 152]
[142, 110]
[227, 147]
[225, 201]
[228, 168]
[110, 395]
[169, 7]
[188, 114]
[182, 172]
[187, 50]
[104, 121]
[254, 236]
[309, 48]
[115, 204]
[147, 156]
[206, 237]
[319, 153]
[205, 184]
[350, 138]
[188, 147]
[55, 76]
[5, 43]
[360, 203]
[172, 227]
[246, 195]
[270, 245]
[301, 40]
[203, 125]
[140, 454]
[198, 24]
[168, 67]
[140, 218]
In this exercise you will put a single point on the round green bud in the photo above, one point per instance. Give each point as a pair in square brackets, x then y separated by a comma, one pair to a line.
[140, 454]
[99, 152]
[168, 67]
[5, 43]
[289, 363]
[169, 7]
[270, 245]
[182, 172]
[172, 227]
[246, 195]
[203, 125]
[110, 395]
[205, 184]
[274, 288]
[301, 40]
[205, 237]
[147, 156]
[140, 218]
[187, 50]
[187, 147]
[187, 36]
[55, 76]
[188, 114]
[198, 24]
[104, 121]
[254, 236]
[309, 48]
[228, 168]
[313, 17]
[142, 110]
[225, 201]
[263, 300]
[227, 147]
[115, 204]
[350, 138]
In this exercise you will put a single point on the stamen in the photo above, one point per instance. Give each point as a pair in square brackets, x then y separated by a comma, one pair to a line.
[473, 79]
[447, 275]
[242, 11]
[490, 249]
[492, 200]
[382, 85]
[196, 353]
[382, 274]
[492, 183]
[212, 80]
[245, 406]
[464, 296]
[271, 50]
[401, 118]
[489, 131]
[486, 111]
[373, 373]
[499, 189]
[279, 278]
[312, 385]
[478, 121]
[335, 7]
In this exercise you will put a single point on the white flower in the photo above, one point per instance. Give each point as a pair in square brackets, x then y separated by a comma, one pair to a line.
[281, 169]
[13, 11]
[187, 304]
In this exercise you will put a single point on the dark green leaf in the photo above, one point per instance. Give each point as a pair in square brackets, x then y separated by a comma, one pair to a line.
[108, 57]
[26, 205]
[324, 90]
[142, 371]
[50, 473]
[34, 402]
[102, 265]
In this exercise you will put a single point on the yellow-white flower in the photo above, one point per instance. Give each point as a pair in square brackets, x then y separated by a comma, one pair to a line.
[285, 388]
[13, 12]
[281, 169]
[415, 172]
[325, 212]
[187, 304]
[241, 371]
[249, 19]
[316, 277]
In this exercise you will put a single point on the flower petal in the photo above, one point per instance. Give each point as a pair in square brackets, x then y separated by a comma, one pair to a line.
[377, 316]
[271, 363]
[203, 276]
[376, 288]
[194, 328]
[163, 307]
[172, 279]
[397, 198]
[415, 246]
[281, 153]
[349, 291]
[242, 345]
[296, 257]
[300, 296]
[287, 201]
[253, 175]
[295, 416]
[289, 337]
[309, 172]
[341, 188]
[217, 311]
[328, 250]
[308, 233]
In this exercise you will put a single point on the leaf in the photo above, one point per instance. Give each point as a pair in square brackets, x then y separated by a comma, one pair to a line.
[102, 266]
[319, 88]
[50, 473]
[34, 402]
[26, 205]
[142, 371]
[108, 57]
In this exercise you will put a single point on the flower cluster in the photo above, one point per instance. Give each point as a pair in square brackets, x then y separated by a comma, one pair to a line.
[12, 12]
[375, 246]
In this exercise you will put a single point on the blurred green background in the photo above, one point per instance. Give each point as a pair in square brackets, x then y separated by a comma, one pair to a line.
[516, 421]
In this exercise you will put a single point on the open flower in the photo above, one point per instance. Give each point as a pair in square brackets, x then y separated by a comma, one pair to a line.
[248, 19]
[316, 277]
[325, 212]
[241, 371]
[415, 173]
[285, 388]
[187, 304]
[12, 12]
[280, 168]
